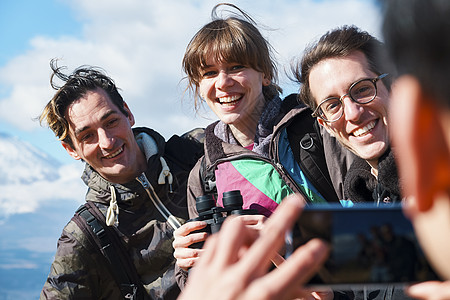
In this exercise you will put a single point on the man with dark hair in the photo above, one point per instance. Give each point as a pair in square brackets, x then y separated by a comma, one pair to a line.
[345, 80]
[119, 243]
[417, 34]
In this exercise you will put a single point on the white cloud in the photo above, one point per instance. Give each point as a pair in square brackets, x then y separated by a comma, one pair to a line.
[141, 43]
[19, 264]
[27, 197]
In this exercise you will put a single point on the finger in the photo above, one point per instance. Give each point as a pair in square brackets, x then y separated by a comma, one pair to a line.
[232, 237]
[209, 251]
[188, 263]
[439, 290]
[325, 295]
[252, 219]
[183, 253]
[188, 227]
[186, 241]
[277, 260]
[298, 269]
[272, 236]
[255, 222]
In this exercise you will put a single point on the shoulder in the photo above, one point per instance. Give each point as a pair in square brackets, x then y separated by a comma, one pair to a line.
[186, 149]
[74, 242]
[73, 256]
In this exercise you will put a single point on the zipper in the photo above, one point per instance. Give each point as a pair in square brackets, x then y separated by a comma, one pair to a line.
[173, 222]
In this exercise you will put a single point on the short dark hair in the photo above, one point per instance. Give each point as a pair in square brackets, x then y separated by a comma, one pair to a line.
[231, 39]
[339, 42]
[417, 35]
[83, 79]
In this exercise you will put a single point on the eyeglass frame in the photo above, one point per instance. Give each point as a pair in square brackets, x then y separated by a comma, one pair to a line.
[374, 82]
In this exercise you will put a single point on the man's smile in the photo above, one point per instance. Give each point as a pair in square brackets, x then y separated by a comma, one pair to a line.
[112, 155]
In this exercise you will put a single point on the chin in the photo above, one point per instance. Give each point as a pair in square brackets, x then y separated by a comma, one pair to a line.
[373, 152]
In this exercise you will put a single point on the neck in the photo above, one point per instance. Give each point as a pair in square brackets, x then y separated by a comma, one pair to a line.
[244, 132]
[142, 163]
[245, 136]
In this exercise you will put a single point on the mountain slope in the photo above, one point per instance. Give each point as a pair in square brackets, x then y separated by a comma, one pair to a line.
[22, 163]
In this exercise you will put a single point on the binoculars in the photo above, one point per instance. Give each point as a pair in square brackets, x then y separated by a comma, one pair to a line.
[214, 215]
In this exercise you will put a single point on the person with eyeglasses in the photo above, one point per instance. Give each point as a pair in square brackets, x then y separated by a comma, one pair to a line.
[345, 79]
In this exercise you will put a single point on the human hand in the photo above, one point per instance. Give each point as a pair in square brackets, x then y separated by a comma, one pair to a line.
[436, 290]
[323, 295]
[235, 263]
[256, 223]
[253, 221]
[183, 238]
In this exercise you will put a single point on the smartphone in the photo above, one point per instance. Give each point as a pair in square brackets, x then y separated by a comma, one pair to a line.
[370, 246]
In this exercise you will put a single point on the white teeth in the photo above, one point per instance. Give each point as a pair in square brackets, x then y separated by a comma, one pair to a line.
[115, 153]
[228, 99]
[365, 129]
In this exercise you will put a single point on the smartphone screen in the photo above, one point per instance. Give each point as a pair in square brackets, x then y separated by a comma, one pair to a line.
[369, 245]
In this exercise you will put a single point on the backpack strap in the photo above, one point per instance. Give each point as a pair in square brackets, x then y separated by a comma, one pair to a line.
[91, 221]
[215, 151]
[307, 146]
[208, 178]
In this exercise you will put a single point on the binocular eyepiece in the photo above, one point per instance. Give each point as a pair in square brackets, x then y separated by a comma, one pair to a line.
[214, 215]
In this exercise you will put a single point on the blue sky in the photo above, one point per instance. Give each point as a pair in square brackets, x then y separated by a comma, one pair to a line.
[140, 43]
[20, 21]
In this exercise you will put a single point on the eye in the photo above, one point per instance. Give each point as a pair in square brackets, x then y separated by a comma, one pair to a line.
[86, 137]
[363, 90]
[208, 74]
[237, 67]
[112, 122]
[331, 105]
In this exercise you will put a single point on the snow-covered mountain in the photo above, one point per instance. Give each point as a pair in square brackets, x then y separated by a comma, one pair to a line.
[30, 178]
[22, 163]
[38, 196]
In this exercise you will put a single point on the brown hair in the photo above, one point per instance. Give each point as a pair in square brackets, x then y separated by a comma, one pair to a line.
[340, 42]
[230, 39]
[81, 81]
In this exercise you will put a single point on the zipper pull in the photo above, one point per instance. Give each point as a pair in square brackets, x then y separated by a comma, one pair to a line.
[280, 167]
[143, 180]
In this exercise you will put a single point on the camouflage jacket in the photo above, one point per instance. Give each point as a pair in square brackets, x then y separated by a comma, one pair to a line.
[78, 272]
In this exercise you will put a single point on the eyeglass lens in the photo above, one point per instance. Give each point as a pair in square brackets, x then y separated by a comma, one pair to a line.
[362, 92]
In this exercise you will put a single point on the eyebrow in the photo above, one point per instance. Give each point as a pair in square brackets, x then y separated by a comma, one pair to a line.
[348, 88]
[205, 67]
[104, 117]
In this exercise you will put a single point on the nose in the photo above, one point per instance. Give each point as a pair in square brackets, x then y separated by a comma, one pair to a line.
[352, 110]
[223, 80]
[105, 139]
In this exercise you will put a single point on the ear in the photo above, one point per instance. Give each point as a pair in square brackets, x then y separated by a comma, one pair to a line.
[72, 152]
[325, 125]
[419, 142]
[130, 115]
[266, 80]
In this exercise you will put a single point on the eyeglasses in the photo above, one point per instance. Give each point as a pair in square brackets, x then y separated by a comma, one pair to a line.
[362, 91]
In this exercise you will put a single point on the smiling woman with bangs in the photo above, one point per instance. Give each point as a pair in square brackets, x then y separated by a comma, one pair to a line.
[229, 67]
